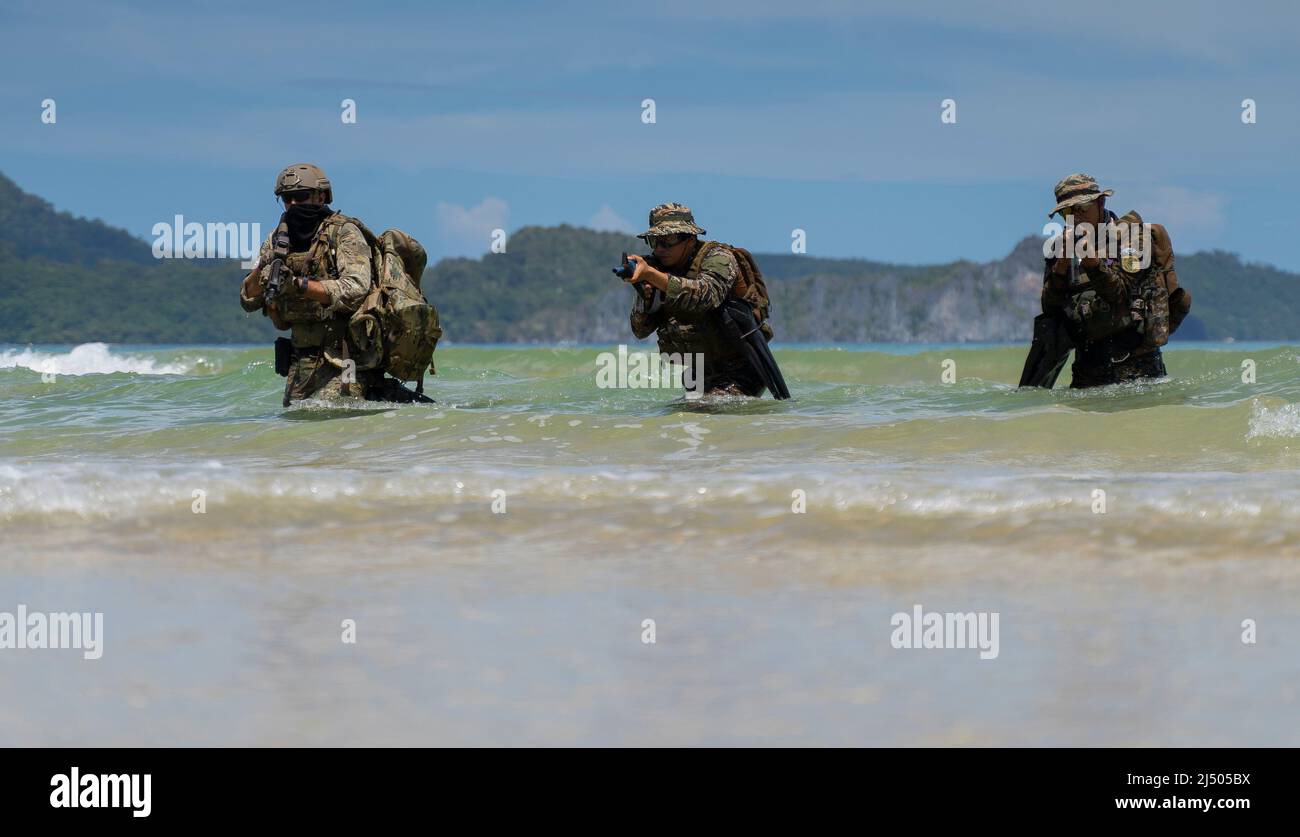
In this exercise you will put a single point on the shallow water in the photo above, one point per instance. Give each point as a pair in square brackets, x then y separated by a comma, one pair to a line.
[522, 624]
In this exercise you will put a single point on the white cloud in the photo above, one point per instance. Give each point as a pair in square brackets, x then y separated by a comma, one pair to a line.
[468, 232]
[606, 219]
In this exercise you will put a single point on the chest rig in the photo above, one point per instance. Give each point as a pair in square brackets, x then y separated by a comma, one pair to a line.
[312, 325]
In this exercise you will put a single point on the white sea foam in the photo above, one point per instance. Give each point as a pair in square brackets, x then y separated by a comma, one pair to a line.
[108, 490]
[88, 359]
[1284, 422]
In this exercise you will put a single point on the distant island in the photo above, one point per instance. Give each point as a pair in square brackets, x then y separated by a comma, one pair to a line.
[65, 279]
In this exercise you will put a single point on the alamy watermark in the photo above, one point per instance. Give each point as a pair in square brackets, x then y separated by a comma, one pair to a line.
[180, 239]
[651, 370]
[919, 629]
[24, 630]
[107, 790]
[1130, 243]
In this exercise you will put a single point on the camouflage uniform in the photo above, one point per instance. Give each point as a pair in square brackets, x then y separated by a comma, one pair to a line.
[318, 330]
[1124, 313]
[687, 322]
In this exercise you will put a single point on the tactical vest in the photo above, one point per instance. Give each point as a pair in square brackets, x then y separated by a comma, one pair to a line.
[311, 327]
[1146, 315]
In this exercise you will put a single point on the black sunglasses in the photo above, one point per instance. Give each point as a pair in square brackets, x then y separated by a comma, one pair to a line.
[665, 240]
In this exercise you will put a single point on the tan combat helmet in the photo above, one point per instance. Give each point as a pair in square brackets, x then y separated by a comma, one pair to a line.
[669, 218]
[301, 176]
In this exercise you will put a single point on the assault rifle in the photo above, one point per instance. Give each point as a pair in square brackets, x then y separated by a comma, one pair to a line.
[279, 252]
[655, 300]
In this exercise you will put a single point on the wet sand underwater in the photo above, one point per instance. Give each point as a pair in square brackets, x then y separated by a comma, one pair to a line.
[500, 551]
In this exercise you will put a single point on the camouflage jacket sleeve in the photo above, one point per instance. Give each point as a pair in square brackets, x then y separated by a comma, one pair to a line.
[1107, 279]
[707, 290]
[645, 323]
[352, 261]
[1110, 282]
[254, 303]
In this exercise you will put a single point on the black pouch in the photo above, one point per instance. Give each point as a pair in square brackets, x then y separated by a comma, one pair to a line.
[283, 356]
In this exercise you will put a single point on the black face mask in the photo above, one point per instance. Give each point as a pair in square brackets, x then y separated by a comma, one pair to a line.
[303, 219]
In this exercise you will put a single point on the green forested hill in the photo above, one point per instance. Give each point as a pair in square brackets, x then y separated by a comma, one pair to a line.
[70, 280]
[67, 280]
[554, 284]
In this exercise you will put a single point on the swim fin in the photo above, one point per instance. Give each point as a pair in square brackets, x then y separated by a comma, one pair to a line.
[739, 323]
[391, 389]
[1048, 353]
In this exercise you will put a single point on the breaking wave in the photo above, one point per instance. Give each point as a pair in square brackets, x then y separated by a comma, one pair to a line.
[89, 359]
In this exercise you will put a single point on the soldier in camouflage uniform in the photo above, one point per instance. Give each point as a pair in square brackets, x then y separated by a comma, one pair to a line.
[1120, 313]
[329, 278]
[679, 288]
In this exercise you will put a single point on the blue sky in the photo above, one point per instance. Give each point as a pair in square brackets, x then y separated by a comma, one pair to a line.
[770, 116]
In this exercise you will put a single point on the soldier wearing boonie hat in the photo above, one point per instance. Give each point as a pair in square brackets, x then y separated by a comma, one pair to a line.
[671, 219]
[1075, 190]
[1121, 310]
[680, 286]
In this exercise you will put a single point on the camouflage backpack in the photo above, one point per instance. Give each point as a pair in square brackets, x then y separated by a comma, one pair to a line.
[395, 329]
[1153, 286]
[749, 285]
[1148, 310]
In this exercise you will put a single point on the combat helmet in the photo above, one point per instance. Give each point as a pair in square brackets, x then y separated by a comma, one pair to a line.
[301, 176]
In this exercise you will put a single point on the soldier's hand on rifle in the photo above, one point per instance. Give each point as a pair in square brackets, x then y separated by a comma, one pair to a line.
[1062, 265]
[253, 283]
[639, 267]
[288, 284]
[642, 272]
[1070, 243]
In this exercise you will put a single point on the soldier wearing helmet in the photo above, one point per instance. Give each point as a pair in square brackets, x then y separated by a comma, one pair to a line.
[328, 278]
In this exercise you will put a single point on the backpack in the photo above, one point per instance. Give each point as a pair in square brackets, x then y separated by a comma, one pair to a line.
[1156, 286]
[1148, 312]
[395, 329]
[749, 286]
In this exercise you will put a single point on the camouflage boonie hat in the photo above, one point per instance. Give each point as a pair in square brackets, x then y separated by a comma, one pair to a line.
[669, 218]
[1077, 189]
[301, 176]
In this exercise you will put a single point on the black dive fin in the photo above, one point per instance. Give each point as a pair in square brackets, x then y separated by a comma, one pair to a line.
[1048, 353]
[738, 320]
